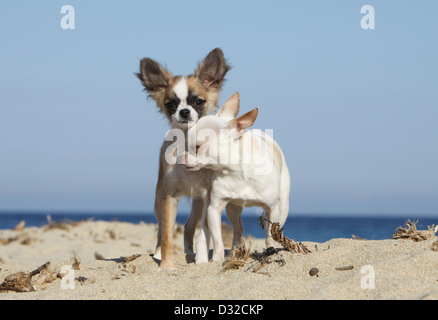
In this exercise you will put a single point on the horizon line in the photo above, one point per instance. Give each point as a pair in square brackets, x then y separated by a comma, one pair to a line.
[246, 214]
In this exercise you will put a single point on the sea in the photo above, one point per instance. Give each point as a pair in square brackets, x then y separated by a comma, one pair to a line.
[300, 227]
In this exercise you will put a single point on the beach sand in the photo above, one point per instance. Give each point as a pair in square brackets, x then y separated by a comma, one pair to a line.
[347, 268]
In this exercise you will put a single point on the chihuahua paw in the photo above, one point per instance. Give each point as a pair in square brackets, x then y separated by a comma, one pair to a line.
[166, 269]
[218, 257]
[201, 259]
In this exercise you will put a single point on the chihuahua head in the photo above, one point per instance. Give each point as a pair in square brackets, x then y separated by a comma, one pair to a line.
[214, 140]
[185, 99]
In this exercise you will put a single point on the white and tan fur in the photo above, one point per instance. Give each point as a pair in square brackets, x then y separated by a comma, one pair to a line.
[184, 100]
[261, 179]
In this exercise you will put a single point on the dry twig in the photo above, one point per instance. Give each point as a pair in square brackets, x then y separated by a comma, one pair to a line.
[130, 258]
[238, 257]
[76, 261]
[344, 268]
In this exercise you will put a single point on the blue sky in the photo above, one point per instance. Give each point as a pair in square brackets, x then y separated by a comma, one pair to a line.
[355, 111]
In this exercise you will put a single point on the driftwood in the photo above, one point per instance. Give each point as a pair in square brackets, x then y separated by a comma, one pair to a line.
[21, 281]
[412, 233]
[434, 246]
[287, 243]
[20, 226]
[63, 225]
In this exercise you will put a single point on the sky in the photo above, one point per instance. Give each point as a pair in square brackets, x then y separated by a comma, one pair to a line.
[354, 110]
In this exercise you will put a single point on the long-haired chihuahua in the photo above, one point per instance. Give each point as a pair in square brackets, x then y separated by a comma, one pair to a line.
[184, 100]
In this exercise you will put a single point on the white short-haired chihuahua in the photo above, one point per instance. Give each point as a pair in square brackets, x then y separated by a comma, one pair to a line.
[248, 169]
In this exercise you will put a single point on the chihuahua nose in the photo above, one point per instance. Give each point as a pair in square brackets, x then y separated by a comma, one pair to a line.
[185, 113]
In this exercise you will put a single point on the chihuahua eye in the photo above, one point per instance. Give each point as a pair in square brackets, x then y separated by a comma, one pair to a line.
[171, 106]
[199, 102]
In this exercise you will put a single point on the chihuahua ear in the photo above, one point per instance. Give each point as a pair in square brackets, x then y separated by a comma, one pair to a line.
[211, 71]
[230, 109]
[154, 77]
[244, 121]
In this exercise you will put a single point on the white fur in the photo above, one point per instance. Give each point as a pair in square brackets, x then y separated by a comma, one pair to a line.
[181, 90]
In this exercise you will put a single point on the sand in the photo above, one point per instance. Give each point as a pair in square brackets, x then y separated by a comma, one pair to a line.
[345, 268]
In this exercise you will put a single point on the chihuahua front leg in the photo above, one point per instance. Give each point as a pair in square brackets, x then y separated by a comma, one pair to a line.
[234, 214]
[203, 241]
[190, 226]
[214, 213]
[170, 205]
[158, 208]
